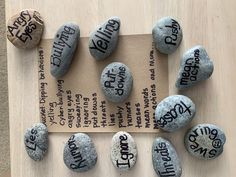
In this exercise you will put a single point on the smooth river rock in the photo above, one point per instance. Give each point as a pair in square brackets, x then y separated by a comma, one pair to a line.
[205, 141]
[174, 112]
[36, 141]
[195, 66]
[63, 49]
[80, 153]
[123, 151]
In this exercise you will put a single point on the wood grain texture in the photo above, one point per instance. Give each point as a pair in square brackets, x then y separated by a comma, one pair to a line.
[208, 22]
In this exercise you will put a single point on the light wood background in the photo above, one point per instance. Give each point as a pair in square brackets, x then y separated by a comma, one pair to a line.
[208, 22]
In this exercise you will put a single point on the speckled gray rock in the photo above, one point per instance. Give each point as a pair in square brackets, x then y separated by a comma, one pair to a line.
[205, 141]
[63, 48]
[123, 151]
[36, 141]
[174, 112]
[195, 66]
[104, 39]
[167, 35]
[116, 82]
[80, 153]
[165, 159]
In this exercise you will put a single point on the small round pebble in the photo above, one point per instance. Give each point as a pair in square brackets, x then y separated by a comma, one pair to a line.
[205, 141]
[80, 153]
[116, 82]
[25, 29]
[174, 112]
[36, 141]
[167, 35]
[123, 151]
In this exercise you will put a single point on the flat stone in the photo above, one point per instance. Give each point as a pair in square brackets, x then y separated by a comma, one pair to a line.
[36, 141]
[205, 141]
[174, 112]
[123, 151]
[167, 35]
[63, 49]
[116, 82]
[165, 158]
[80, 153]
[195, 66]
[104, 39]
[25, 29]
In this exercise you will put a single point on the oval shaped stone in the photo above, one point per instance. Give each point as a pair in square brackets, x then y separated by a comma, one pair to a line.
[195, 66]
[167, 35]
[123, 151]
[63, 49]
[80, 153]
[174, 112]
[205, 141]
[165, 158]
[36, 141]
[116, 82]
[104, 39]
[25, 29]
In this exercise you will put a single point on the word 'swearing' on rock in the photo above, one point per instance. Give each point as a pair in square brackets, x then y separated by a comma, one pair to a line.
[175, 28]
[31, 142]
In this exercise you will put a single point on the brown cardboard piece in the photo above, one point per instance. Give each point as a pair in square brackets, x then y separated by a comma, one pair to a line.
[75, 102]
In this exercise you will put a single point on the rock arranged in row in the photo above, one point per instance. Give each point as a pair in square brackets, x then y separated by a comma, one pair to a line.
[165, 159]
[36, 141]
[174, 112]
[104, 39]
[167, 35]
[80, 153]
[63, 49]
[195, 66]
[25, 29]
[116, 82]
[205, 141]
[123, 151]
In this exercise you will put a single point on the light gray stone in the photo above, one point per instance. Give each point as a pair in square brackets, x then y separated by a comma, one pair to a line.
[174, 112]
[63, 49]
[205, 141]
[116, 82]
[80, 153]
[165, 159]
[167, 35]
[123, 151]
[104, 39]
[36, 141]
[195, 66]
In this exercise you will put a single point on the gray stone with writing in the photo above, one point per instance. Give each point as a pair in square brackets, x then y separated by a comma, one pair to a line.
[80, 153]
[195, 66]
[174, 112]
[123, 151]
[167, 35]
[205, 141]
[165, 158]
[104, 39]
[63, 49]
[36, 141]
[116, 82]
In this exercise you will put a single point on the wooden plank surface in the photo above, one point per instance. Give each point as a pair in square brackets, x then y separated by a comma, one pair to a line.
[208, 22]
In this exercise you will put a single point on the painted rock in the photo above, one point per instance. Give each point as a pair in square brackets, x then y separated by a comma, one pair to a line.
[116, 82]
[123, 151]
[165, 159]
[25, 29]
[63, 49]
[36, 141]
[174, 112]
[195, 66]
[167, 35]
[205, 141]
[104, 39]
[80, 153]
